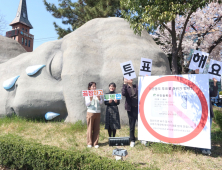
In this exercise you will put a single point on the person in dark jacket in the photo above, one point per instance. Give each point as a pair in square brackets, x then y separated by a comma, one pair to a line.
[212, 93]
[130, 91]
[112, 119]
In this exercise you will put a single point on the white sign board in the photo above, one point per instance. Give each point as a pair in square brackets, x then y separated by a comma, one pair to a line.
[108, 97]
[215, 70]
[175, 109]
[145, 67]
[128, 70]
[198, 60]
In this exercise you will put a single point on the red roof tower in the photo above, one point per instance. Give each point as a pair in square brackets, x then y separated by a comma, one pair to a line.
[20, 28]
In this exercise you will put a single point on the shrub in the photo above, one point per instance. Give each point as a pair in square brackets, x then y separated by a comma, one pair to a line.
[18, 153]
[218, 118]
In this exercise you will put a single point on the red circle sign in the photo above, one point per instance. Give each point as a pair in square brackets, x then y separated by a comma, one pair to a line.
[200, 95]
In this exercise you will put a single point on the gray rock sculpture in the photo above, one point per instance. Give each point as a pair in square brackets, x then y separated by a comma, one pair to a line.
[91, 53]
[9, 48]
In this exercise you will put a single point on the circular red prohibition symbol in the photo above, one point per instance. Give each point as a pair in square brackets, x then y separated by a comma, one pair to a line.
[200, 95]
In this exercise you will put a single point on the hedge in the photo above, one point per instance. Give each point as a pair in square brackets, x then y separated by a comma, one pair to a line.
[218, 118]
[21, 154]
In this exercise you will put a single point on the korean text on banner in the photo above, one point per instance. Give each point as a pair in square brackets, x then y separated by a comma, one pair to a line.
[198, 60]
[145, 67]
[86, 93]
[117, 96]
[128, 70]
[215, 70]
[175, 109]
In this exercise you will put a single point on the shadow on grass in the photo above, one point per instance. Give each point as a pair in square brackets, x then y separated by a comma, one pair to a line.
[104, 143]
[150, 166]
[216, 151]
[216, 136]
[17, 119]
[164, 148]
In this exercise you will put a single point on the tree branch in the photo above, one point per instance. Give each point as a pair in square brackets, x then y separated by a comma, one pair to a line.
[184, 28]
[219, 40]
[193, 27]
[211, 26]
[170, 31]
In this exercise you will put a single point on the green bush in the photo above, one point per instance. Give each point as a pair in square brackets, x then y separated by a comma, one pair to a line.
[218, 118]
[20, 154]
[220, 93]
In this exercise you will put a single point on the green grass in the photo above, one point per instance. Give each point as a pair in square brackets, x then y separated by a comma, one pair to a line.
[216, 133]
[166, 148]
[69, 136]
[77, 127]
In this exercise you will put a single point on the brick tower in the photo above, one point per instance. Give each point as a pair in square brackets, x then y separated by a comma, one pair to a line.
[20, 28]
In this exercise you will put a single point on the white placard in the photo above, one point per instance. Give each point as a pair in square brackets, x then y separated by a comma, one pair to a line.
[145, 67]
[215, 70]
[114, 96]
[175, 109]
[198, 60]
[128, 70]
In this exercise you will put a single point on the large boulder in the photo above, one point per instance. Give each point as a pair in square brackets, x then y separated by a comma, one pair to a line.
[91, 53]
[9, 48]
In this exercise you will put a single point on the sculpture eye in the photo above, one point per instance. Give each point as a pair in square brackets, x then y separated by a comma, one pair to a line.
[55, 67]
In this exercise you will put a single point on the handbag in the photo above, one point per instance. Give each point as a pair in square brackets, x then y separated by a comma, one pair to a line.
[119, 141]
[120, 152]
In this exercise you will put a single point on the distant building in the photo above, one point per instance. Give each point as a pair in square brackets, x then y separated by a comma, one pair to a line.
[20, 28]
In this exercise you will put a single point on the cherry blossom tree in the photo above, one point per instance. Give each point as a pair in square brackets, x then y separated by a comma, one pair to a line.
[149, 14]
[203, 32]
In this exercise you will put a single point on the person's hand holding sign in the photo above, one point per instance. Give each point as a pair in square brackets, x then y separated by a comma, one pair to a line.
[125, 81]
[115, 101]
[111, 100]
[98, 97]
[215, 81]
[197, 71]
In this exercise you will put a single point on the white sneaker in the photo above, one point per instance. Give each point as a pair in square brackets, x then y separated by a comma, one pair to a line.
[143, 142]
[204, 152]
[132, 144]
[89, 146]
[96, 146]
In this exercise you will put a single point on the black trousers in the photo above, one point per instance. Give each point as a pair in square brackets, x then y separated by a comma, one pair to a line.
[133, 117]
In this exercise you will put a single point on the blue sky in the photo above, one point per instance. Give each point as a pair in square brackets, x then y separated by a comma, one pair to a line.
[41, 20]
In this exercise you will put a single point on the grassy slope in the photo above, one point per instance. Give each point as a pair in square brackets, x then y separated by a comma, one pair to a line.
[73, 137]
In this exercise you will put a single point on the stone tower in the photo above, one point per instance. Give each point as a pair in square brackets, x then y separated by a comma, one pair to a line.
[20, 28]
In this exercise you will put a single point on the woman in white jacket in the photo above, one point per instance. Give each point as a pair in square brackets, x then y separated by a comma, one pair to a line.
[93, 117]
